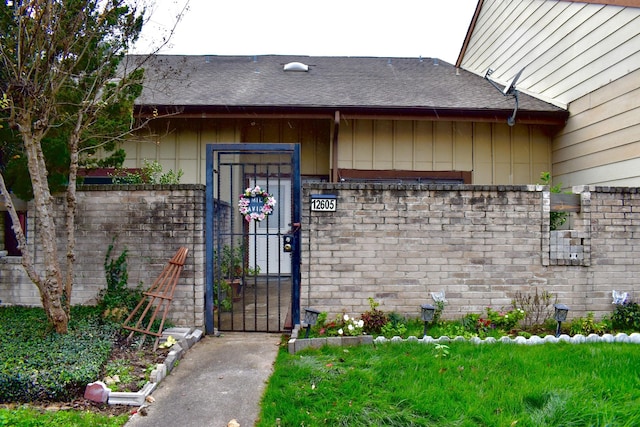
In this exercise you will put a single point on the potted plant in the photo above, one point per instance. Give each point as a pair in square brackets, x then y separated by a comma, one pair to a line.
[233, 268]
[222, 295]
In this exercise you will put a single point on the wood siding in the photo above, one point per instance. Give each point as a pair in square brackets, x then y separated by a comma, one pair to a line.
[181, 144]
[496, 153]
[600, 144]
[569, 49]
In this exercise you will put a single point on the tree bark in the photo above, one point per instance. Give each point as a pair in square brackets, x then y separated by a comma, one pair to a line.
[51, 285]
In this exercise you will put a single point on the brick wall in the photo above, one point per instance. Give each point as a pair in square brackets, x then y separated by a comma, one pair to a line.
[150, 222]
[398, 243]
[395, 243]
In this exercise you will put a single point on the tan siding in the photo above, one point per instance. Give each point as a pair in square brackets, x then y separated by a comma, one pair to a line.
[363, 145]
[463, 137]
[602, 137]
[403, 154]
[482, 154]
[540, 153]
[423, 146]
[346, 144]
[569, 48]
[502, 154]
[521, 156]
[383, 143]
[188, 158]
[443, 147]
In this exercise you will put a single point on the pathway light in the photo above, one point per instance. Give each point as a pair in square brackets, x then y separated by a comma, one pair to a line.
[310, 318]
[560, 315]
[427, 312]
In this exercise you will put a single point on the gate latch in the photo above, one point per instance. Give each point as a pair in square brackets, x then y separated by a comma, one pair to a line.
[287, 242]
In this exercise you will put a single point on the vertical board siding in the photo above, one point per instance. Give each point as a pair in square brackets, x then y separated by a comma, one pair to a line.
[176, 144]
[497, 154]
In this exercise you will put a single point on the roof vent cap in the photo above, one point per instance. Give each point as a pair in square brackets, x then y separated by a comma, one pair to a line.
[296, 66]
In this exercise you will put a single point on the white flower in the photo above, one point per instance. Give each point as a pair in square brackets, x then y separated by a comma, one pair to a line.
[346, 317]
[340, 331]
[350, 327]
[360, 323]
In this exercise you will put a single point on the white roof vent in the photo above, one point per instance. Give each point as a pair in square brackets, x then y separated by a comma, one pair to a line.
[296, 66]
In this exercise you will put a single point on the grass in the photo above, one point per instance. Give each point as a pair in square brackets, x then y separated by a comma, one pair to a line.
[406, 384]
[35, 418]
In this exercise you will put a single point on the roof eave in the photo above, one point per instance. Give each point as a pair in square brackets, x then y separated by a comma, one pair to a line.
[392, 113]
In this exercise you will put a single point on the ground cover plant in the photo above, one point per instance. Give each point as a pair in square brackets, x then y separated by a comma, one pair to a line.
[37, 364]
[458, 384]
[43, 374]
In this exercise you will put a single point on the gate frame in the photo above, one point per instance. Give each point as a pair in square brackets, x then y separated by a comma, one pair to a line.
[296, 218]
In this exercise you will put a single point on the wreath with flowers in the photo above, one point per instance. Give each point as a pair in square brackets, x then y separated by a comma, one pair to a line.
[256, 204]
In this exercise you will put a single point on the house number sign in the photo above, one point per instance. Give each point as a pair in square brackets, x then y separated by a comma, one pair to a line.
[324, 203]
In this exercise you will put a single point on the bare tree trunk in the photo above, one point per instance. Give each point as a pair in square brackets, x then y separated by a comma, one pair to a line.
[71, 208]
[55, 312]
[51, 286]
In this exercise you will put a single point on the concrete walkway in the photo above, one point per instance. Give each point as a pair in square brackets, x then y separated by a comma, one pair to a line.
[217, 380]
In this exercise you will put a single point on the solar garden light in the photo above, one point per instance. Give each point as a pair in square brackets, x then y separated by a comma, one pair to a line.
[310, 318]
[427, 315]
[560, 315]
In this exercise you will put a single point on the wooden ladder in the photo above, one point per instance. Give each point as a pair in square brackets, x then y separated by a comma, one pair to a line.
[158, 297]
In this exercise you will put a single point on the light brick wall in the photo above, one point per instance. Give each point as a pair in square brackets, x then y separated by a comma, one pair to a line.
[395, 243]
[150, 222]
[480, 244]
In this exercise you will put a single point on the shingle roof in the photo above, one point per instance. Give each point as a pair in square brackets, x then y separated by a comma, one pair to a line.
[331, 82]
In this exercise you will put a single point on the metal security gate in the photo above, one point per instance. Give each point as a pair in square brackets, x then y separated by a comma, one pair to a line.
[252, 234]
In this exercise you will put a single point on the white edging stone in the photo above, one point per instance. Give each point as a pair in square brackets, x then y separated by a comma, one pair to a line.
[296, 345]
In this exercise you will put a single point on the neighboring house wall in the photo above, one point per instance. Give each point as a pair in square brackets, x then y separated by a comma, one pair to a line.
[600, 144]
[150, 222]
[581, 56]
[569, 48]
[480, 244]
[496, 153]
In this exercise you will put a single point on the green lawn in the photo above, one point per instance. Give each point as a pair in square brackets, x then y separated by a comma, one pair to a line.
[462, 384]
[35, 418]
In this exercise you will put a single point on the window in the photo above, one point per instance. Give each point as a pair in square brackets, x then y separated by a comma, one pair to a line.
[10, 243]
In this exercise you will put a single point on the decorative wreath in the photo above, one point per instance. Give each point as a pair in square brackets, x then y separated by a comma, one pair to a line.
[268, 202]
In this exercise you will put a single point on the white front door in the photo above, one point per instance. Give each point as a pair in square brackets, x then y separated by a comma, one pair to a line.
[265, 249]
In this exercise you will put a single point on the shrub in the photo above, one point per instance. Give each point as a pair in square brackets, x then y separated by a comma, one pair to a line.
[150, 173]
[587, 325]
[538, 307]
[556, 219]
[395, 327]
[626, 317]
[374, 319]
[117, 300]
[505, 320]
